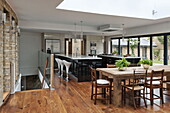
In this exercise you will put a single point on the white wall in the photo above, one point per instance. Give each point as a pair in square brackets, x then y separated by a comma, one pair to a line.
[97, 40]
[30, 44]
[149, 29]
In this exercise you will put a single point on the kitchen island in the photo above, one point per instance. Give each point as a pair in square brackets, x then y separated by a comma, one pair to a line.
[79, 69]
[111, 59]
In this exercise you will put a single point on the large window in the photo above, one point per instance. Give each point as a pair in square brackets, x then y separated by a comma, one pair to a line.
[133, 46]
[115, 44]
[154, 47]
[123, 46]
[145, 47]
[168, 49]
[158, 50]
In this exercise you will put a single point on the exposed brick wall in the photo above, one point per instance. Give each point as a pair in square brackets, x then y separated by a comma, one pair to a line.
[8, 48]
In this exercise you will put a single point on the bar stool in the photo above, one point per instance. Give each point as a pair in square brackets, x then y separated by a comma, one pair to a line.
[61, 67]
[58, 63]
[67, 65]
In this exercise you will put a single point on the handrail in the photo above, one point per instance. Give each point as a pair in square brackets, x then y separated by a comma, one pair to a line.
[52, 72]
[48, 67]
[45, 69]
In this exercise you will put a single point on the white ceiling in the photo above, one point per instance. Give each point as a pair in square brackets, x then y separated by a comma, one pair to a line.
[130, 8]
[42, 16]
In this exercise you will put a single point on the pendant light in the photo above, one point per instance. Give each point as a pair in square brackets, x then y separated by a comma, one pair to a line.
[75, 34]
[81, 34]
[102, 37]
[123, 32]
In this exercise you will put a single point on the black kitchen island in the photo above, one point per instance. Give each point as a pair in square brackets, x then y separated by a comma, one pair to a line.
[79, 69]
[111, 59]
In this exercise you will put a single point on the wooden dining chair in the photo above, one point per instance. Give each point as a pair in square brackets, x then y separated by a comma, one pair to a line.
[166, 89]
[155, 81]
[110, 66]
[134, 89]
[99, 84]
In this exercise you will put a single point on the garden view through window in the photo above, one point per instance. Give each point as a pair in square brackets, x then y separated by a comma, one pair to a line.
[144, 49]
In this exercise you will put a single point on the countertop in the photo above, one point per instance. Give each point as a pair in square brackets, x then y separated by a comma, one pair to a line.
[113, 56]
[78, 56]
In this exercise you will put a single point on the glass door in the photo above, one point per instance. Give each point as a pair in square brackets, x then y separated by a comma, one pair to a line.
[158, 50]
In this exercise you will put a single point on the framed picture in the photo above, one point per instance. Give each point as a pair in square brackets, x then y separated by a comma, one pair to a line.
[53, 45]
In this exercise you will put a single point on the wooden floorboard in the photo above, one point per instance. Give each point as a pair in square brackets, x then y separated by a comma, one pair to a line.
[71, 97]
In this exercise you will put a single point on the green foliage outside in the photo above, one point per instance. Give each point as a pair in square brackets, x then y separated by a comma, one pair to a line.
[161, 39]
[157, 54]
[115, 52]
[133, 45]
[159, 62]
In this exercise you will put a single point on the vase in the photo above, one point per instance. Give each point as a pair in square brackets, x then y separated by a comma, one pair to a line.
[122, 69]
[146, 66]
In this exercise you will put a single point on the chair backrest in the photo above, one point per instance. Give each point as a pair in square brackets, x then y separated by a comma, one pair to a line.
[137, 76]
[155, 76]
[111, 66]
[93, 74]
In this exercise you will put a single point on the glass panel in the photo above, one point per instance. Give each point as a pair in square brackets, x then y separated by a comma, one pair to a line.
[145, 47]
[115, 46]
[133, 44]
[158, 50]
[123, 46]
[168, 49]
[42, 65]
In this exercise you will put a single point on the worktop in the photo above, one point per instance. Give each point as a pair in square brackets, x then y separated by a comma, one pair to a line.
[111, 59]
[79, 69]
[79, 57]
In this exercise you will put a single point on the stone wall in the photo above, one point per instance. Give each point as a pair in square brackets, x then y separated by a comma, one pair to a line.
[8, 49]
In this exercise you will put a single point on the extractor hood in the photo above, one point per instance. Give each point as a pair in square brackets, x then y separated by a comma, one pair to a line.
[109, 28]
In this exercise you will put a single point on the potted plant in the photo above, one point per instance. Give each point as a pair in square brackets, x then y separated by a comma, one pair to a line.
[121, 64]
[146, 63]
[115, 52]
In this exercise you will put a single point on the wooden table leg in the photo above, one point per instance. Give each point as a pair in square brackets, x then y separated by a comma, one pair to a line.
[168, 79]
[117, 93]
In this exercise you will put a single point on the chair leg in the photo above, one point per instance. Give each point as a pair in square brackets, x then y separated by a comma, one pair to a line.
[133, 98]
[151, 96]
[92, 93]
[110, 94]
[95, 98]
[161, 95]
[144, 98]
[104, 92]
[122, 96]
[139, 100]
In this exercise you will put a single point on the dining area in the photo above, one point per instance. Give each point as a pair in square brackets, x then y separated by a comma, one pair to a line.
[134, 83]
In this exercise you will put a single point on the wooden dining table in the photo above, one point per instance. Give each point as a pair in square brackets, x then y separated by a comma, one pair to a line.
[118, 76]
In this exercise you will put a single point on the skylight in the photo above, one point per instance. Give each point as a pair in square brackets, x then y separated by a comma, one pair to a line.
[149, 9]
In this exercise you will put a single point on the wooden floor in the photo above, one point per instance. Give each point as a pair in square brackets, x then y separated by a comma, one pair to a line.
[70, 97]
